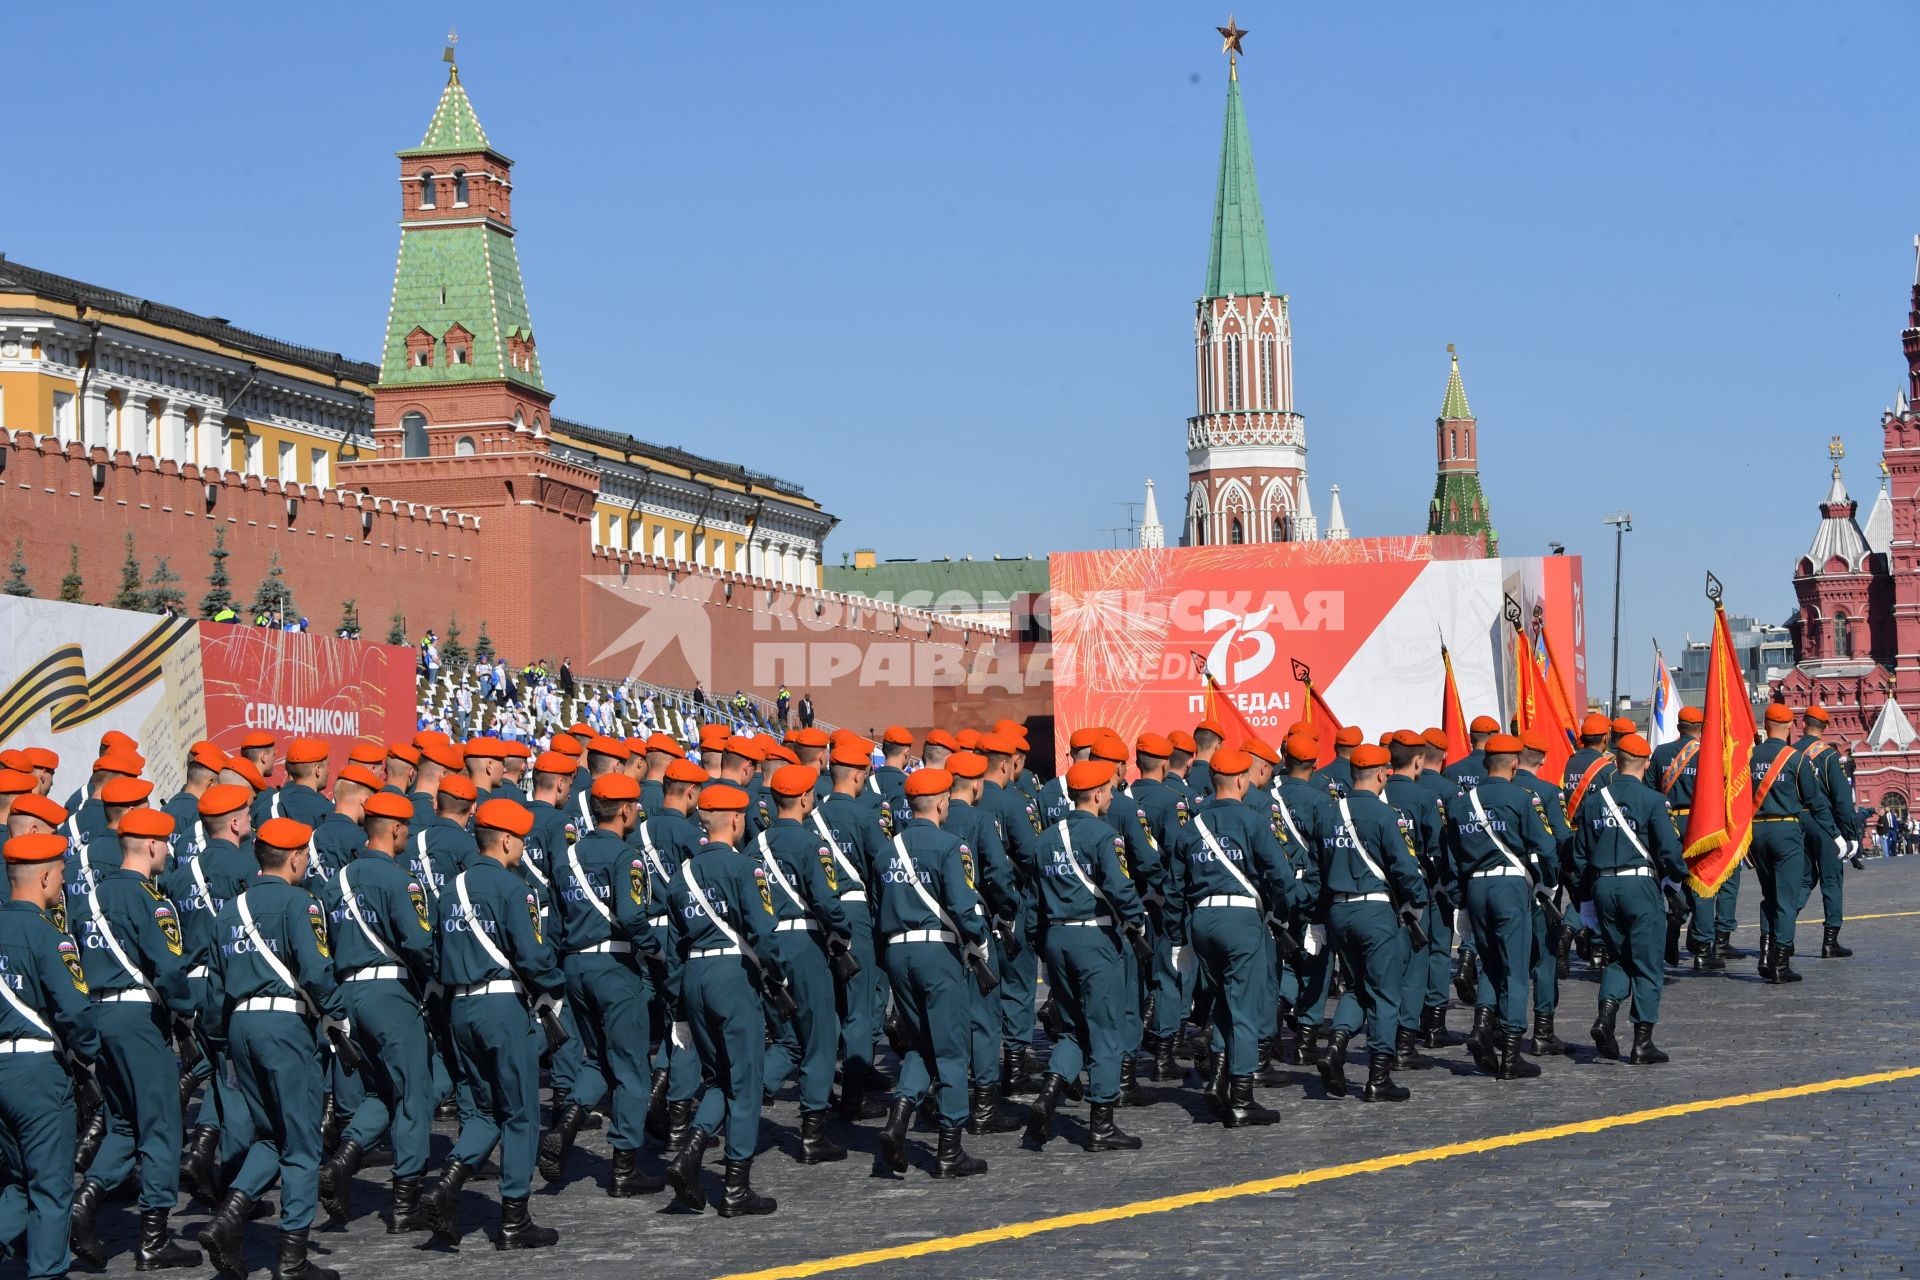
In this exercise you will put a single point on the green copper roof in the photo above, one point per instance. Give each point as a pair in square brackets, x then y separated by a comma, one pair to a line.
[1460, 507]
[465, 275]
[1455, 406]
[1239, 262]
[454, 127]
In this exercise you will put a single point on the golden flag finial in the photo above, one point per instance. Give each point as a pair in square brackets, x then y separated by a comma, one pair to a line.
[446, 55]
[1230, 37]
[1836, 448]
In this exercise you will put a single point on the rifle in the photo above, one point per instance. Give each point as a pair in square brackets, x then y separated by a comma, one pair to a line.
[983, 973]
[351, 1059]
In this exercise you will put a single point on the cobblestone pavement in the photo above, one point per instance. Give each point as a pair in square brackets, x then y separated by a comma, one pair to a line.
[1824, 1184]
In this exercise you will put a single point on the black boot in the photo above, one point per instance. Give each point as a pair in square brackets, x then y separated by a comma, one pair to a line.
[1545, 1042]
[189, 1084]
[557, 1145]
[518, 1230]
[1466, 980]
[440, 1203]
[157, 1249]
[984, 1114]
[1333, 1064]
[1512, 1065]
[893, 1135]
[1710, 960]
[291, 1262]
[1242, 1110]
[332, 1121]
[1480, 1040]
[1433, 1027]
[1604, 1037]
[1217, 1091]
[1380, 1085]
[404, 1215]
[657, 1107]
[1783, 964]
[683, 1171]
[1408, 1055]
[1104, 1135]
[1132, 1092]
[336, 1180]
[815, 1146]
[679, 1126]
[1309, 1037]
[1644, 1049]
[224, 1233]
[1830, 948]
[1765, 964]
[1040, 1112]
[952, 1161]
[626, 1180]
[1023, 1077]
[1164, 1066]
[1562, 958]
[80, 1233]
[740, 1199]
[90, 1139]
[1727, 950]
[199, 1166]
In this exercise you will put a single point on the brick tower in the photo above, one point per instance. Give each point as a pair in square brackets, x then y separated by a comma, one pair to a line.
[1459, 506]
[1246, 447]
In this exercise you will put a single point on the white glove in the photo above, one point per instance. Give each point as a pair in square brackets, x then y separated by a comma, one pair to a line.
[1670, 884]
[1316, 940]
[1840, 843]
[1588, 916]
[549, 1003]
[327, 1026]
[979, 949]
[681, 1037]
[1184, 962]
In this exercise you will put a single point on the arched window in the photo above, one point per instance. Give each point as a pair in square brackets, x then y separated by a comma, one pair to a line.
[1200, 528]
[463, 447]
[1235, 533]
[459, 188]
[1842, 637]
[1233, 370]
[1279, 528]
[426, 189]
[413, 435]
[1267, 398]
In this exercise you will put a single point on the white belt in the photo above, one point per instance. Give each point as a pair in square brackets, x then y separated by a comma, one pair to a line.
[198, 971]
[26, 1046]
[1228, 900]
[922, 935]
[270, 1004]
[612, 947]
[804, 924]
[1085, 924]
[705, 953]
[1630, 871]
[372, 972]
[1361, 897]
[497, 987]
[131, 995]
[1499, 871]
[857, 895]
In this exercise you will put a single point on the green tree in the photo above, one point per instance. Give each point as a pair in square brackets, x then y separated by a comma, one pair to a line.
[132, 593]
[397, 628]
[17, 584]
[71, 588]
[166, 596]
[452, 652]
[350, 618]
[483, 647]
[219, 597]
[273, 595]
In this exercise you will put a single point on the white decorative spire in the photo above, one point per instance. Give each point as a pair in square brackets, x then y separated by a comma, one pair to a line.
[1336, 519]
[1891, 731]
[1879, 527]
[1153, 535]
[1305, 527]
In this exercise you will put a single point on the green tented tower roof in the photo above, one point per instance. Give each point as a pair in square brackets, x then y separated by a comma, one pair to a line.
[454, 127]
[465, 275]
[1239, 261]
[1454, 408]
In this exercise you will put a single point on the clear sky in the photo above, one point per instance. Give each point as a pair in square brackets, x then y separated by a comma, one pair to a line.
[938, 262]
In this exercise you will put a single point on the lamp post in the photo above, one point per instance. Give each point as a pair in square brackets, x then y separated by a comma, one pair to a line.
[1622, 522]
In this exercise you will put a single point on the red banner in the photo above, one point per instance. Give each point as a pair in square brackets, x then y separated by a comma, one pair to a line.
[1720, 825]
[1453, 718]
[1535, 708]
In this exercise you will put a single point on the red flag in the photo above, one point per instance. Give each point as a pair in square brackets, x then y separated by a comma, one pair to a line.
[1534, 708]
[1453, 717]
[1326, 724]
[1221, 707]
[1720, 825]
[1553, 681]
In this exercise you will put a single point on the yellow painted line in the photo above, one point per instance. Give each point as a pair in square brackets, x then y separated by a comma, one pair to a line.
[1307, 1177]
[1815, 920]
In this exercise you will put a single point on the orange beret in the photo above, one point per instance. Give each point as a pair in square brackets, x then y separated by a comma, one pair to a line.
[1110, 749]
[1081, 739]
[1633, 745]
[1817, 713]
[929, 782]
[713, 733]
[1404, 738]
[248, 771]
[781, 751]
[1258, 748]
[1087, 775]
[1183, 741]
[509, 816]
[459, 786]
[254, 739]
[722, 798]
[405, 752]
[1536, 740]
[119, 791]
[601, 746]
[41, 757]
[847, 754]
[1386, 739]
[1484, 724]
[967, 739]
[1299, 746]
[444, 754]
[40, 807]
[747, 748]
[283, 833]
[306, 751]
[147, 824]
[995, 744]
[360, 776]
[967, 764]
[495, 749]
[1692, 715]
[666, 746]
[687, 771]
[567, 744]
[554, 762]
[941, 738]
[1210, 726]
[615, 786]
[515, 750]
[1228, 762]
[114, 740]
[1595, 726]
[1349, 736]
[1152, 744]
[1006, 725]
[793, 780]
[809, 737]
[222, 799]
[1017, 736]
[15, 760]
[125, 765]
[1621, 725]
[15, 783]
[1503, 744]
[26, 850]
[367, 753]
[1369, 756]
[1779, 713]
[894, 735]
[580, 728]
[1435, 738]
[425, 736]
[208, 756]
[385, 804]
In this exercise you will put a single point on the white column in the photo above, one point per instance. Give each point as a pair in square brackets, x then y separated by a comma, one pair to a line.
[93, 417]
[173, 433]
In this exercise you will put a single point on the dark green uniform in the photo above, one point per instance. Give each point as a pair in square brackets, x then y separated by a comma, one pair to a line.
[807, 912]
[1087, 897]
[1826, 858]
[605, 896]
[200, 884]
[1546, 969]
[1467, 772]
[1624, 847]
[1501, 847]
[41, 968]
[1307, 813]
[294, 800]
[1794, 805]
[664, 841]
[1019, 968]
[1427, 816]
[1336, 778]
[999, 890]
[853, 837]
[1361, 917]
[1165, 806]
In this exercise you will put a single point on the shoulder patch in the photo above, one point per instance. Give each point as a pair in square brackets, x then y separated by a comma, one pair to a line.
[766, 893]
[70, 956]
[827, 867]
[533, 914]
[317, 919]
[169, 925]
[637, 881]
[966, 863]
[418, 896]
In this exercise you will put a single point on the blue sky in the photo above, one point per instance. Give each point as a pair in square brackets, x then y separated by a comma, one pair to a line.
[937, 263]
